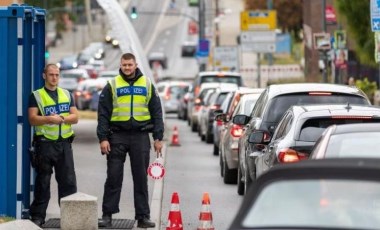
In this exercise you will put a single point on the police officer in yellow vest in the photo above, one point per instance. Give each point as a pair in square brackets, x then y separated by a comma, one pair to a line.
[52, 112]
[129, 108]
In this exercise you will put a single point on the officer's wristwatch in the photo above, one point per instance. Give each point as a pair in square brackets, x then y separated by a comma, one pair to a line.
[63, 119]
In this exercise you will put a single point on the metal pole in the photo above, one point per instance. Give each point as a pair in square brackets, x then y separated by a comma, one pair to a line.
[217, 35]
[201, 11]
[324, 30]
[258, 71]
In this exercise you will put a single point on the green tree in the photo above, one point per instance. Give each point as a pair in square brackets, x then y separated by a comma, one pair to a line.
[357, 16]
[55, 11]
[369, 88]
[289, 13]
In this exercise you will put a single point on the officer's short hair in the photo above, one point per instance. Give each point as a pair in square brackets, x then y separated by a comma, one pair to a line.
[128, 56]
[50, 65]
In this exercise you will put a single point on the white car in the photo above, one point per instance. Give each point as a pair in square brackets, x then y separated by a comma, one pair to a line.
[70, 78]
[169, 92]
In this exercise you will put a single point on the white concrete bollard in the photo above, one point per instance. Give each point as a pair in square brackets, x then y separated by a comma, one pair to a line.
[79, 211]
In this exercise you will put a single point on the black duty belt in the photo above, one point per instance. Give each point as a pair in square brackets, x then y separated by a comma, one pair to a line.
[44, 139]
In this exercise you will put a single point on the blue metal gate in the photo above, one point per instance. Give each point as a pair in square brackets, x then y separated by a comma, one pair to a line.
[22, 48]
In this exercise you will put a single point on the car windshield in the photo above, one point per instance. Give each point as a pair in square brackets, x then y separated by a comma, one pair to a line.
[363, 144]
[71, 75]
[222, 79]
[316, 203]
[280, 104]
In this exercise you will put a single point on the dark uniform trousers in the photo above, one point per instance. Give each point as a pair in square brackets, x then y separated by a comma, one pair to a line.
[57, 155]
[137, 144]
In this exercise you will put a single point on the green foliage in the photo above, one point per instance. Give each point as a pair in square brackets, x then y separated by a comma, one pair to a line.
[4, 219]
[357, 16]
[286, 81]
[369, 88]
[289, 13]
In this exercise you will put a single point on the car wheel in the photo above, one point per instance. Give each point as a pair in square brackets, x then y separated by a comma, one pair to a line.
[240, 183]
[193, 127]
[230, 175]
[216, 150]
[209, 137]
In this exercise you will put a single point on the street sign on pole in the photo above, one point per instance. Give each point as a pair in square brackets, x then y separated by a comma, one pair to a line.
[375, 15]
[203, 48]
[258, 20]
[226, 58]
[258, 41]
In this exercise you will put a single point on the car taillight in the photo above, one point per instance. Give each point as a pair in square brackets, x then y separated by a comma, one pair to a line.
[197, 101]
[77, 93]
[320, 93]
[290, 155]
[87, 95]
[236, 130]
[219, 123]
[214, 107]
[352, 117]
[167, 95]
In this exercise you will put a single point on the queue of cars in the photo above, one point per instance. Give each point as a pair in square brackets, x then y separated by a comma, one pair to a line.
[284, 145]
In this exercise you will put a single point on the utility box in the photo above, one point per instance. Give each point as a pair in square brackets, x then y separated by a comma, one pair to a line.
[22, 48]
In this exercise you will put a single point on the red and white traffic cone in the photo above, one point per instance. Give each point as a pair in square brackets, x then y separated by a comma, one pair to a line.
[174, 218]
[205, 218]
[175, 138]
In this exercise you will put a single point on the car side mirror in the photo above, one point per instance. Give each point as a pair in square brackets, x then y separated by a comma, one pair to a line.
[259, 137]
[240, 119]
[218, 111]
[221, 117]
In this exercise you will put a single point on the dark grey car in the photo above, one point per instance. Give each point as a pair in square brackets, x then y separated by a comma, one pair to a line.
[272, 104]
[301, 126]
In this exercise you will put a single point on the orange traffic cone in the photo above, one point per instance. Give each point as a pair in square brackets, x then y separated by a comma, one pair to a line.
[175, 138]
[205, 218]
[174, 219]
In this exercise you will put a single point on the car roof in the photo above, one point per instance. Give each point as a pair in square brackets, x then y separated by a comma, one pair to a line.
[293, 88]
[218, 84]
[335, 110]
[174, 83]
[366, 169]
[206, 73]
[248, 90]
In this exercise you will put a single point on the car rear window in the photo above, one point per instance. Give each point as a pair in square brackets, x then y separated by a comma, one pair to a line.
[312, 129]
[361, 144]
[280, 104]
[222, 79]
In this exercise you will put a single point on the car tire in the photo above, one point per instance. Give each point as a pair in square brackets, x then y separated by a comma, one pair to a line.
[240, 183]
[216, 150]
[193, 126]
[209, 137]
[230, 175]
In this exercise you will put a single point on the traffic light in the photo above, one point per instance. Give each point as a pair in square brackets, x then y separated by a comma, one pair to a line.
[134, 12]
[47, 54]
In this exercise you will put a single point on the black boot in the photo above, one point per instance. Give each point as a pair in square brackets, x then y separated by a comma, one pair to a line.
[145, 223]
[106, 221]
[37, 221]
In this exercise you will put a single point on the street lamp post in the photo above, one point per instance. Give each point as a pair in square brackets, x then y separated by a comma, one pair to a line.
[324, 52]
[201, 14]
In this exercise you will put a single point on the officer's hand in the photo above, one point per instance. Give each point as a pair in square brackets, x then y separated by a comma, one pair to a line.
[105, 147]
[55, 119]
[158, 148]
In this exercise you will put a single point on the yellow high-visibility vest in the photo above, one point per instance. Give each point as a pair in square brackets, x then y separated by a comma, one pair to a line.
[47, 106]
[130, 100]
